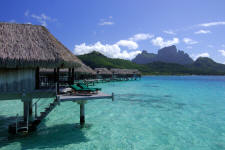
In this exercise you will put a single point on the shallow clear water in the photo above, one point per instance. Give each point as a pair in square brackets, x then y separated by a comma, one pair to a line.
[163, 112]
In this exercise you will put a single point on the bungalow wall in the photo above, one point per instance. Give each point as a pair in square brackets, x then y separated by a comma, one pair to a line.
[17, 80]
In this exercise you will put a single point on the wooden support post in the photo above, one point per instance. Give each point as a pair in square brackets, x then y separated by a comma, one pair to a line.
[112, 96]
[69, 76]
[35, 110]
[73, 75]
[82, 114]
[57, 78]
[37, 78]
[55, 75]
[25, 110]
[30, 110]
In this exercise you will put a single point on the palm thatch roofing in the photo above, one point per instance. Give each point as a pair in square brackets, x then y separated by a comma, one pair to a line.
[30, 46]
[83, 69]
[103, 71]
[124, 71]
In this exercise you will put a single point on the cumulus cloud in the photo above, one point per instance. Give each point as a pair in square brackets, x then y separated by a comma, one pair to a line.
[106, 22]
[159, 41]
[195, 56]
[141, 36]
[110, 50]
[42, 19]
[127, 43]
[169, 32]
[222, 52]
[115, 50]
[209, 24]
[189, 41]
[202, 32]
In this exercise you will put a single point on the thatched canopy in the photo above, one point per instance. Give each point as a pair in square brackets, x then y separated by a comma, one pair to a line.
[30, 46]
[83, 69]
[103, 71]
[135, 71]
[124, 71]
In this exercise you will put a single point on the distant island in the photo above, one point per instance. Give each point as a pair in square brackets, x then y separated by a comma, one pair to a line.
[168, 54]
[168, 61]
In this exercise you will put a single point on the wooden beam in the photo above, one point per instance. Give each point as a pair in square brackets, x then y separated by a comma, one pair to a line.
[82, 114]
[69, 76]
[37, 78]
[34, 94]
[57, 80]
[73, 75]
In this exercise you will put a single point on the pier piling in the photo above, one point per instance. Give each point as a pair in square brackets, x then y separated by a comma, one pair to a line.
[82, 114]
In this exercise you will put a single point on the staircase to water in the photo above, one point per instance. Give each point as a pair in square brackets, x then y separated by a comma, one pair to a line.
[22, 126]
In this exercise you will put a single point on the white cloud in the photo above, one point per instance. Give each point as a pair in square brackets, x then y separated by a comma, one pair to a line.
[127, 43]
[209, 24]
[169, 32]
[42, 19]
[141, 36]
[202, 32]
[106, 23]
[189, 41]
[113, 51]
[196, 56]
[159, 41]
[222, 52]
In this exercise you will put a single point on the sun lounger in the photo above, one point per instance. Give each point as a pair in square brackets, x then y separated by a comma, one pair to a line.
[77, 89]
[83, 86]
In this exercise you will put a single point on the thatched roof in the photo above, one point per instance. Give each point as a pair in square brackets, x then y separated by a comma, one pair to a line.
[124, 71]
[82, 69]
[25, 45]
[102, 71]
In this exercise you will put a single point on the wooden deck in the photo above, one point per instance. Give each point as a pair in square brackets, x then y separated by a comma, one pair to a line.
[100, 95]
[42, 93]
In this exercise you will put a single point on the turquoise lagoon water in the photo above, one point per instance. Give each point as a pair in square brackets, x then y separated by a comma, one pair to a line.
[159, 113]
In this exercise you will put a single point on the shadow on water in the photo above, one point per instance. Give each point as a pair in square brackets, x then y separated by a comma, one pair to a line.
[49, 137]
[164, 102]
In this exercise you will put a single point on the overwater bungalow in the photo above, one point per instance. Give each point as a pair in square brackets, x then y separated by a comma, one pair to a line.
[125, 74]
[80, 73]
[84, 72]
[103, 73]
[24, 49]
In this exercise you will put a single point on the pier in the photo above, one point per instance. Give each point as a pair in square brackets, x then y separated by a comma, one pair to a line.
[28, 124]
[40, 68]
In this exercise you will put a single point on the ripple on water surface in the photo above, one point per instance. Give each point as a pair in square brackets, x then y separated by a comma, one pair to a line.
[185, 112]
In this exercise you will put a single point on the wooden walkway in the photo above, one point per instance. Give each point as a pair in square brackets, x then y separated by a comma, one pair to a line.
[29, 126]
[100, 95]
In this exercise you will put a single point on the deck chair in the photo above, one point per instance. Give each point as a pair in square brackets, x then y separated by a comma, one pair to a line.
[83, 86]
[77, 89]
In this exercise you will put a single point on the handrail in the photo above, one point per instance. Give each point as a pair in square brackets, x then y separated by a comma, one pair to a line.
[17, 123]
[35, 106]
[36, 101]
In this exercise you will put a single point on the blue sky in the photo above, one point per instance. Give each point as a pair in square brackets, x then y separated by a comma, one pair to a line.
[123, 28]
